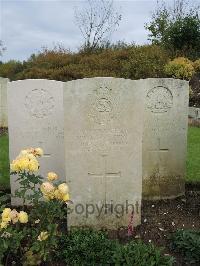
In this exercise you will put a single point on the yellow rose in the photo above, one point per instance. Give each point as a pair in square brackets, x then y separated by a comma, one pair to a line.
[23, 217]
[23, 163]
[6, 212]
[14, 215]
[63, 188]
[23, 153]
[33, 166]
[39, 152]
[46, 187]
[65, 197]
[43, 236]
[14, 167]
[51, 176]
[58, 195]
[3, 225]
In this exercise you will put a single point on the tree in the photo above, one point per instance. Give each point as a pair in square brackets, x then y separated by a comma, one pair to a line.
[97, 22]
[2, 48]
[176, 27]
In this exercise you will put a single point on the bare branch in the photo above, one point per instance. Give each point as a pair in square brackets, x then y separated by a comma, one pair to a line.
[97, 22]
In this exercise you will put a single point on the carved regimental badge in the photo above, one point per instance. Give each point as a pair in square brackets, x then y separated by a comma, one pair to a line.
[103, 105]
[159, 99]
[39, 103]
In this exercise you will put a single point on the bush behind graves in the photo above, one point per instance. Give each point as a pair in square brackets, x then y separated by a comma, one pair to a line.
[187, 242]
[181, 68]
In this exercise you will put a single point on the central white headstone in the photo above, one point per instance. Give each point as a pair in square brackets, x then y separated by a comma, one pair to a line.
[35, 112]
[103, 148]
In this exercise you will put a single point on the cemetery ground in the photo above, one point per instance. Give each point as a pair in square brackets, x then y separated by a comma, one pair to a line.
[160, 219]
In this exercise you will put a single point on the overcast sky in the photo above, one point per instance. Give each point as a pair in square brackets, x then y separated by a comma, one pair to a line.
[28, 25]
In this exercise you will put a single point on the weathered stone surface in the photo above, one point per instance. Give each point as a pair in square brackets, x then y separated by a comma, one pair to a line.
[165, 137]
[194, 113]
[3, 102]
[36, 116]
[103, 146]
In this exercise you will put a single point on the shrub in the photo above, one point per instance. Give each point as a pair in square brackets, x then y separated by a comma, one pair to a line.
[128, 61]
[31, 237]
[181, 68]
[197, 65]
[88, 247]
[187, 242]
[140, 254]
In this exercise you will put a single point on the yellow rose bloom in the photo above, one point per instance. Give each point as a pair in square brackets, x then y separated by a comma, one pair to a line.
[6, 215]
[6, 212]
[23, 217]
[14, 215]
[58, 195]
[43, 236]
[23, 153]
[14, 167]
[65, 197]
[39, 152]
[51, 176]
[63, 188]
[3, 225]
[46, 187]
[33, 166]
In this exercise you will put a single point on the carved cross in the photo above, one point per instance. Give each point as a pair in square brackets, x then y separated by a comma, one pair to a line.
[104, 174]
[159, 148]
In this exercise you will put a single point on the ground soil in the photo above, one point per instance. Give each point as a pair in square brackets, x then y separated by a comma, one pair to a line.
[161, 218]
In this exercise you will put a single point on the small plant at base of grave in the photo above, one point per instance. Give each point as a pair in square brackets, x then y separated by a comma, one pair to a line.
[140, 254]
[86, 247]
[187, 242]
[30, 239]
[89, 247]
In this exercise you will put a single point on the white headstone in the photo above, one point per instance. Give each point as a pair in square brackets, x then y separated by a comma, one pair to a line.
[194, 113]
[35, 111]
[103, 149]
[3, 102]
[165, 138]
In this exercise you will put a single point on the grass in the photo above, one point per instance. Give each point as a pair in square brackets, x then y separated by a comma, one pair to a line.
[193, 158]
[4, 162]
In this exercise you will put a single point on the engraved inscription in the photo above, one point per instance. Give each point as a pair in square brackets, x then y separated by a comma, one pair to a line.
[102, 140]
[39, 103]
[159, 99]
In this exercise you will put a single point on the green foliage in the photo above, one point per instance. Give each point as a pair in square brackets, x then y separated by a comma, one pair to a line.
[197, 66]
[177, 28]
[184, 35]
[145, 62]
[140, 254]
[28, 190]
[10, 69]
[187, 242]
[87, 247]
[4, 162]
[193, 158]
[120, 60]
[180, 67]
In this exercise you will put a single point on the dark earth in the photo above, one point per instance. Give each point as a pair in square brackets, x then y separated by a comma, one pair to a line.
[161, 218]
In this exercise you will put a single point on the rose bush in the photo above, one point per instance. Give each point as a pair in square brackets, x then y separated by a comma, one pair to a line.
[35, 229]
